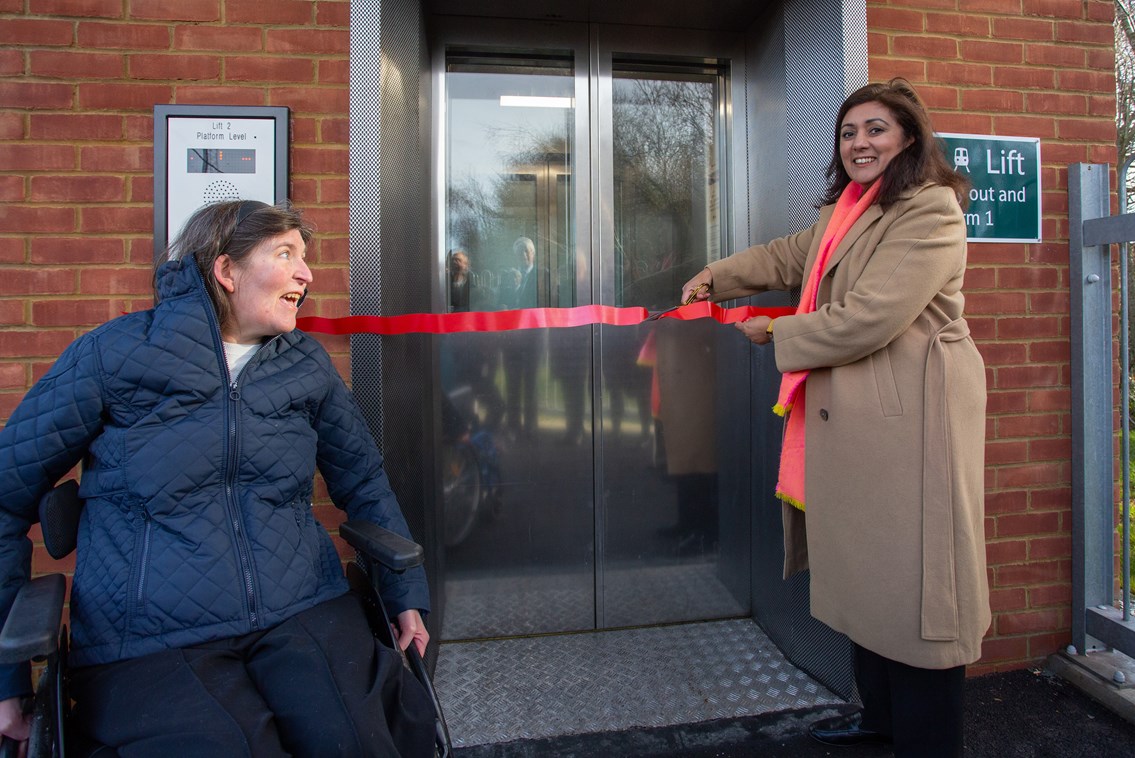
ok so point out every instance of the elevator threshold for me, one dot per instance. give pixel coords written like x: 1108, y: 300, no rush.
x: 532, y: 687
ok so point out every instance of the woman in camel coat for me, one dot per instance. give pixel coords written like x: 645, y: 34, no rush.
x: 893, y: 408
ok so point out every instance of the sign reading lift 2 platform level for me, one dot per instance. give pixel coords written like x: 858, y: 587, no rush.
x: 1004, y: 203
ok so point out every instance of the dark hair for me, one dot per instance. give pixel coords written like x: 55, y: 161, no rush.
x: 923, y: 161
x: 233, y: 228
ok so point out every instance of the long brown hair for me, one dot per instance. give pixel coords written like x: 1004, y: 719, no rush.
x: 233, y: 228
x: 922, y: 162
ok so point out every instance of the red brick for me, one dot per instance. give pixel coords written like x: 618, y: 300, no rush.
x: 265, y: 69
x: 312, y: 99
x: 33, y: 95
x: 1004, y: 552
x: 1083, y: 129
x: 1029, y: 574
x: 971, y: 6
x: 925, y: 46
x: 1092, y: 34
x: 1031, y: 277
x: 77, y: 189
x: 1050, y: 352
x: 1023, y: 328
x: 996, y: 302
x: 35, y: 32
x: 322, y: 160
x: 1056, y: 55
x: 74, y: 65
x: 992, y: 100
x: 1050, y: 399
x: 280, y: 12
x: 310, y: 41
x: 1059, y: 499
x: 1043, y: 645
x: 1011, y: 77
x: 30, y: 218
x: 174, y: 67
x: 1035, y: 425
x: 1049, y: 302
x: 334, y: 131
x: 247, y: 39
x: 1011, y: 599
x: 76, y: 250
x: 1004, y: 353
x: 24, y: 157
x: 1010, y: 501
x: 886, y: 68
x: 72, y: 126
x: 1033, y: 475
x: 1050, y: 547
x: 1087, y: 81
x: 1004, y: 648
x: 334, y: 71
x: 38, y: 343
x: 74, y: 312
x: 11, y: 126
x: 994, y: 52
x: 123, y: 36
x: 125, y: 158
x: 333, y: 14
x: 13, y: 376
x: 118, y: 281
x: 128, y: 97
x: 192, y: 94
x: 116, y: 220
x: 1034, y: 621
x: 1031, y: 29
x: 895, y: 18
x: 11, y: 63
x: 12, y: 189
x: 1053, y: 8
x: 1050, y: 594
x: 183, y: 10
x: 962, y: 24
x: 78, y: 8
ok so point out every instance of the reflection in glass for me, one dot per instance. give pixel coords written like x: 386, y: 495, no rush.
x: 661, y: 468
x: 517, y: 410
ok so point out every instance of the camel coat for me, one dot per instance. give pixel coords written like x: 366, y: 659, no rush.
x: 894, y: 489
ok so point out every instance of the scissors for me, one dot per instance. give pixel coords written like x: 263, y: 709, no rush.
x: 692, y: 297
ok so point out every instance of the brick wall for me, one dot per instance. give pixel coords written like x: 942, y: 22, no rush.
x: 1029, y: 68
x: 79, y: 78
x: 78, y: 82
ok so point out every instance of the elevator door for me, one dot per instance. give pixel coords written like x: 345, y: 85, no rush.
x: 586, y: 482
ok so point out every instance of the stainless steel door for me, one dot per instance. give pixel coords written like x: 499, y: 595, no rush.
x: 584, y: 469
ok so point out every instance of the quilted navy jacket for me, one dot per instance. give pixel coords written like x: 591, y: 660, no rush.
x: 198, y: 522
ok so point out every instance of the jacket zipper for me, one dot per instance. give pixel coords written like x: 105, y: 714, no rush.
x: 243, y: 550
x: 146, y: 524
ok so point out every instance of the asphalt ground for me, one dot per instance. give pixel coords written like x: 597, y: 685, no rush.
x: 1017, y: 714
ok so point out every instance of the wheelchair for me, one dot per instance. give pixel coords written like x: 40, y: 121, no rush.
x: 33, y: 631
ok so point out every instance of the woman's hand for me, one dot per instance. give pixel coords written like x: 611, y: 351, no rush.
x: 756, y: 329
x: 704, y: 280
x: 14, y: 723
x: 410, y: 628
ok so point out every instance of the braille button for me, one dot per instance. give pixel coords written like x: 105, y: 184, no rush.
x: 824, y: 414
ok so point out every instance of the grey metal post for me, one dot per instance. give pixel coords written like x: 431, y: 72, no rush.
x: 1093, y: 474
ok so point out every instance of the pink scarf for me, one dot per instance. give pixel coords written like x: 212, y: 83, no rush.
x: 790, y: 403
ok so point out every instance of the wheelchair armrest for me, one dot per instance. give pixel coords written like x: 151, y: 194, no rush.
x: 391, y: 550
x: 32, y: 628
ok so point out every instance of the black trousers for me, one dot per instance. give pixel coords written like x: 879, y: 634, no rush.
x: 921, y: 709
x: 318, y: 684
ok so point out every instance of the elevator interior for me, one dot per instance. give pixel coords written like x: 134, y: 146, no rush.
x: 591, y: 478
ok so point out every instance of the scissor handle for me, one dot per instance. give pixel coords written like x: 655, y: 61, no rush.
x: 695, y: 292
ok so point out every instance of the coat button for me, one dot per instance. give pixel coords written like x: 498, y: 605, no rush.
x: 824, y: 414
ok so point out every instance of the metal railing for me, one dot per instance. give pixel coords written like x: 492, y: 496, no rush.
x: 1092, y: 232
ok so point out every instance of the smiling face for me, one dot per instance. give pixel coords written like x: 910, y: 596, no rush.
x: 264, y: 290
x: 869, y: 139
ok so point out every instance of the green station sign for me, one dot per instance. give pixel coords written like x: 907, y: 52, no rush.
x: 1004, y: 202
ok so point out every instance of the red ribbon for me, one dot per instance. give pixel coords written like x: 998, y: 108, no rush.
x: 527, y: 318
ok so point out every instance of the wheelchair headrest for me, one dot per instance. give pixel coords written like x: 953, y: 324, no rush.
x: 59, y: 518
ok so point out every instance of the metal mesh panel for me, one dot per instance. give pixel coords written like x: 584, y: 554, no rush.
x: 806, y: 58
x: 390, y: 268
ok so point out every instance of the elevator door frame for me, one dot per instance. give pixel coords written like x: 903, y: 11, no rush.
x: 594, y: 48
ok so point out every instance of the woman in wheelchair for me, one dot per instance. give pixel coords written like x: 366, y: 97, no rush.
x: 210, y: 615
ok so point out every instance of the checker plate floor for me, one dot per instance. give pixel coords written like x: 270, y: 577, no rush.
x: 523, y: 688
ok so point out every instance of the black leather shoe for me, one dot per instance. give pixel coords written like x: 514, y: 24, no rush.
x: 846, y: 730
